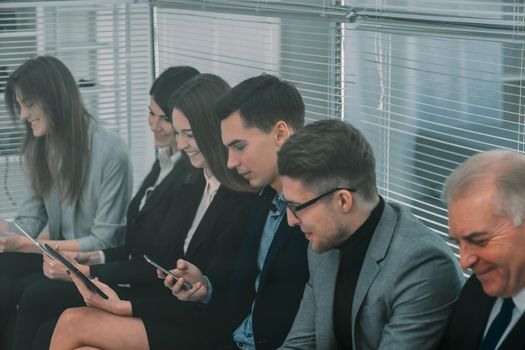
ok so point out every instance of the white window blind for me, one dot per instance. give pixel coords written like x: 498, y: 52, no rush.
x: 429, y: 82
x: 107, y: 46
x: 240, y: 39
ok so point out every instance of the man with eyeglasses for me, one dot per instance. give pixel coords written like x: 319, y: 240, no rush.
x: 379, y: 278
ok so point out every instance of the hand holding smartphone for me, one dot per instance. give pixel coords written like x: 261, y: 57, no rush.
x: 76, y: 271
x: 186, y: 285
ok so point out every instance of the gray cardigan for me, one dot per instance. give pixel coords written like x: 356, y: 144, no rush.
x: 100, y: 211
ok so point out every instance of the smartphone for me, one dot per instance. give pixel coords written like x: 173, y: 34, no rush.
x: 76, y: 271
x: 186, y: 285
x: 32, y: 239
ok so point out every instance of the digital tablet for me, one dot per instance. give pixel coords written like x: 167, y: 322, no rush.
x: 32, y: 239
x: 187, y: 285
x: 76, y: 271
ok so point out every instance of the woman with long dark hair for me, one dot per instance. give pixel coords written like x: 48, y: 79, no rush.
x: 79, y: 176
x: 76, y: 189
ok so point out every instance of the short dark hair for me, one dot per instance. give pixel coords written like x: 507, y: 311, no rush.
x: 330, y: 153
x: 263, y: 101
x: 167, y: 83
x: 196, y: 100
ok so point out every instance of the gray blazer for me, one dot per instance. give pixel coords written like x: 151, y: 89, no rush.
x: 100, y: 210
x: 407, y: 285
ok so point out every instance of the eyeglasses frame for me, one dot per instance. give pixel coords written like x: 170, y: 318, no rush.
x: 314, y: 200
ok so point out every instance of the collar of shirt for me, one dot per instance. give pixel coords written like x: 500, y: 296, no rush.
x: 166, y: 159
x: 268, y: 195
x: 212, y: 185
x: 175, y: 157
x: 519, y: 300
x: 519, y: 304
x: 279, y: 203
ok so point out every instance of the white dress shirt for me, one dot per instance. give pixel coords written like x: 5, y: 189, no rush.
x: 166, y: 162
x: 212, y: 186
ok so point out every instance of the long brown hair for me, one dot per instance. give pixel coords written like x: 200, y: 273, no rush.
x: 196, y: 100
x: 63, y: 153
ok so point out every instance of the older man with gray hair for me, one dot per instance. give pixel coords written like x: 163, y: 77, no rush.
x: 486, y: 208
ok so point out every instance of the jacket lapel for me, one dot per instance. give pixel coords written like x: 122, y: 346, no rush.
x: 376, y: 252
x: 182, y: 210
x: 469, y: 317
x: 281, y: 237
x: 175, y: 176
x: 474, y: 309
x: 245, y: 268
x: 253, y: 240
x: 209, y: 219
x: 158, y: 193
x: 149, y: 181
x: 516, y: 338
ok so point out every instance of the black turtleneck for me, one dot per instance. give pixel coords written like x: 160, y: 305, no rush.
x: 353, y: 252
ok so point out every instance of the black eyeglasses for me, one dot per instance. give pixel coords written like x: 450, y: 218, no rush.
x: 295, y: 208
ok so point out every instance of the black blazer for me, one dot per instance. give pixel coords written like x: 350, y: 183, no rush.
x: 281, y: 287
x: 143, y: 229
x: 213, y: 249
x: 469, y: 320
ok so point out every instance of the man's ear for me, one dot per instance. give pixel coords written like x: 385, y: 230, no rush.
x: 282, y: 132
x: 345, y: 201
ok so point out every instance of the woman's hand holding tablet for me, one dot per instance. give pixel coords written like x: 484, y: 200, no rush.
x: 86, y: 280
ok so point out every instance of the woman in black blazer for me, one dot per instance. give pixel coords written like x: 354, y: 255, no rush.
x: 210, y: 239
x: 47, y: 298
